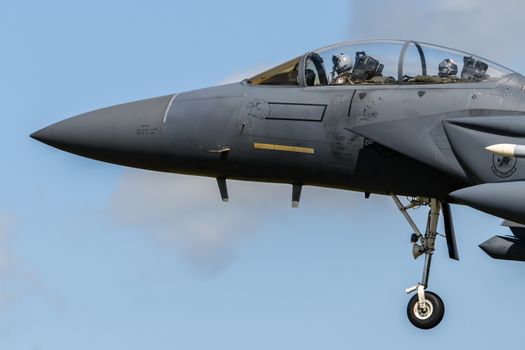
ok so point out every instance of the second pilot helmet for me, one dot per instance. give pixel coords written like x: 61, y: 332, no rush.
x: 342, y: 63
x: 447, y: 67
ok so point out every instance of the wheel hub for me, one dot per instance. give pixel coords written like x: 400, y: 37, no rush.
x: 423, y: 310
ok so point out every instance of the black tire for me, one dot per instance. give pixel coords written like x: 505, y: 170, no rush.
x: 429, y: 318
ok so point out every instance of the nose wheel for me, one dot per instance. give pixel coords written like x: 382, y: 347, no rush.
x: 428, y: 313
x: 425, y: 309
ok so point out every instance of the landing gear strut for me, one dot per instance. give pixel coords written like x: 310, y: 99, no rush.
x: 425, y: 310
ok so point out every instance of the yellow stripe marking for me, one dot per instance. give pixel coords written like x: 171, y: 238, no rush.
x: 283, y: 148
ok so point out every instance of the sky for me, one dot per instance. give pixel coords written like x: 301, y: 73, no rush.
x: 94, y: 255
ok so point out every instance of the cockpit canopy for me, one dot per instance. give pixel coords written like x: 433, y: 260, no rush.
x: 381, y: 62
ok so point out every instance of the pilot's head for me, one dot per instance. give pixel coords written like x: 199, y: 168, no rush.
x: 447, y: 68
x: 342, y: 63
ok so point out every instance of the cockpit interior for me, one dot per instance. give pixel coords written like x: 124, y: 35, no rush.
x: 380, y: 62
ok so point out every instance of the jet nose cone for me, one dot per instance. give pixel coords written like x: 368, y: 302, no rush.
x: 128, y: 134
x: 40, y: 135
x: 54, y: 135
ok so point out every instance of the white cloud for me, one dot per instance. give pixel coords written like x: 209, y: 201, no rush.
x: 456, y: 5
x: 186, y: 213
x: 14, y: 278
x: 17, y: 279
x: 491, y: 30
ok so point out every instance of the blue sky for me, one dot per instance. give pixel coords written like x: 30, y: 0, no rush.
x: 98, y: 256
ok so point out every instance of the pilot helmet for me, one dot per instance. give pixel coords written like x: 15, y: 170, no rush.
x: 447, y: 67
x: 342, y: 63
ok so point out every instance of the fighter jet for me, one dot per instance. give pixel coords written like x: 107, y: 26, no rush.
x: 389, y: 117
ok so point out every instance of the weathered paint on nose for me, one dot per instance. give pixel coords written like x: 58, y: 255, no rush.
x: 128, y: 134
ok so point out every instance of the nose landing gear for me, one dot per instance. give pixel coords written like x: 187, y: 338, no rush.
x: 425, y: 313
x: 425, y: 310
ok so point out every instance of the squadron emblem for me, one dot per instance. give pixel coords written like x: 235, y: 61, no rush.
x: 503, y: 166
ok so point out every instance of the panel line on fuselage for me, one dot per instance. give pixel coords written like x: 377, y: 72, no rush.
x: 168, y: 109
